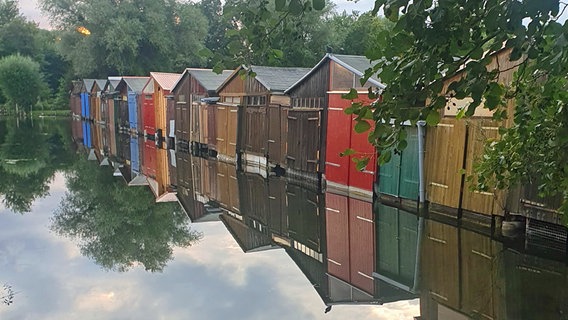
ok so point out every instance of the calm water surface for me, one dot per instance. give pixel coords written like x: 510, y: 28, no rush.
x: 77, y: 243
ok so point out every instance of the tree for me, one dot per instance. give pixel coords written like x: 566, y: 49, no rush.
x: 119, y: 226
x: 20, y: 80
x: 261, y: 33
x: 8, y: 11
x: 128, y: 37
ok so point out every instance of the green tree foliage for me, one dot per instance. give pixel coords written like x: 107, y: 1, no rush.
x: 434, y: 40
x: 8, y: 11
x: 119, y: 226
x: 21, y: 80
x: 30, y: 154
x: 128, y: 37
x: 23, y: 37
x: 263, y: 33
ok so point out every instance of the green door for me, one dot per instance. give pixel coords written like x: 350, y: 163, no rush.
x: 389, y: 176
x: 399, y: 177
x: 409, y: 166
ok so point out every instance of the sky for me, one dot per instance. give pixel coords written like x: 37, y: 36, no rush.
x: 29, y: 8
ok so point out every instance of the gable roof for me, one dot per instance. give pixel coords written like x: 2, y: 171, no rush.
x: 114, y: 81
x: 206, y: 77
x: 275, y: 79
x: 278, y: 78
x: 166, y: 81
x: 135, y: 84
x: 101, y: 83
x: 355, y: 64
x: 88, y: 84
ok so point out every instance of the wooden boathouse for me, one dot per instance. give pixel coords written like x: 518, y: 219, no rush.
x: 129, y: 89
x: 75, y: 98
x: 96, y: 100
x: 319, y: 130
x: 85, y: 98
x: 260, y: 100
x: 194, y: 85
x: 162, y: 85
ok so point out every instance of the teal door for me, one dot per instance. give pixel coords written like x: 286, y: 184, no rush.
x: 399, y: 177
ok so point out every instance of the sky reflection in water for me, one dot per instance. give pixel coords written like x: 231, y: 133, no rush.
x: 213, y: 279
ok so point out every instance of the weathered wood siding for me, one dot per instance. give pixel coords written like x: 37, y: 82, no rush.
x: 493, y: 203
x: 276, y: 143
x: 203, y: 124
x: 312, y: 92
x: 211, y: 127
x: 194, y: 122
x: 221, y: 125
x: 444, y: 159
x: 303, y: 139
x: 253, y: 130
x: 160, y: 108
x: 232, y: 130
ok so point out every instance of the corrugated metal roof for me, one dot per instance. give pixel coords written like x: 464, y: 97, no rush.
x: 88, y: 84
x: 355, y: 64
x: 136, y: 84
x: 101, y: 83
x: 209, y: 79
x: 166, y: 81
x: 278, y: 78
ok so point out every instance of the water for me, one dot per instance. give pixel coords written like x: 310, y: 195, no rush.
x: 76, y: 242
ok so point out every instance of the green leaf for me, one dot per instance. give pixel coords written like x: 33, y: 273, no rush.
x: 433, y: 118
x: 318, y: 4
x: 218, y: 68
x: 351, y: 95
x: 280, y: 5
x: 362, y: 126
x: 347, y: 152
x: 385, y: 157
x: 362, y: 164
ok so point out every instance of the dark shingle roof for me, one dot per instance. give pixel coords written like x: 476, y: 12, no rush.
x: 355, y: 64
x: 209, y: 79
x: 136, y: 84
x: 278, y: 79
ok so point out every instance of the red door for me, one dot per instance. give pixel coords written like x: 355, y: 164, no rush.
x: 149, y: 114
x: 337, y: 140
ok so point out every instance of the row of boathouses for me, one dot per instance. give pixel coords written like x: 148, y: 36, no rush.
x: 291, y: 121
